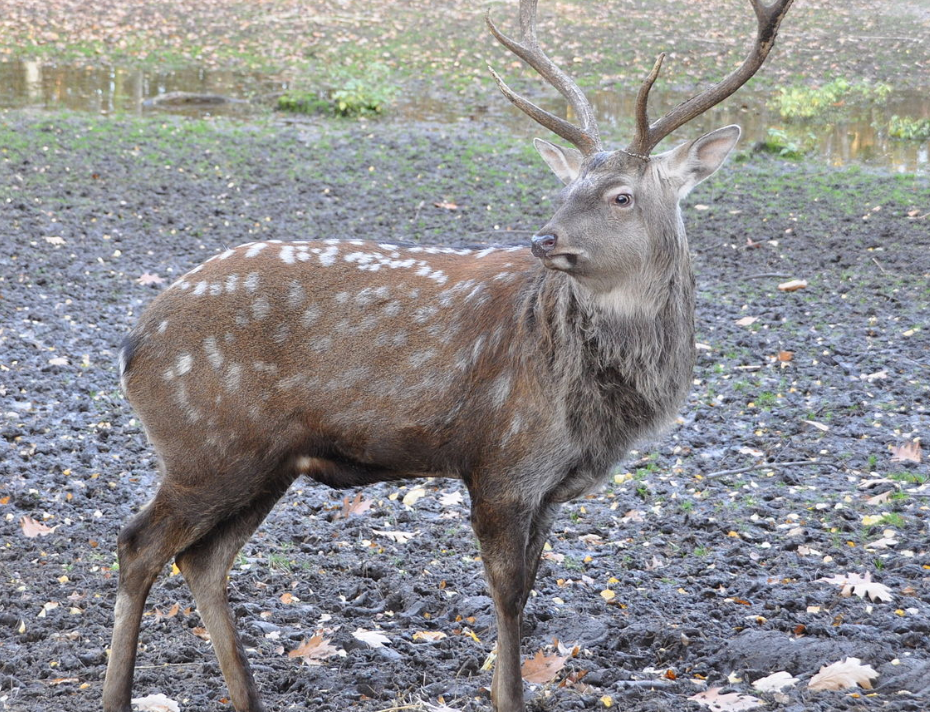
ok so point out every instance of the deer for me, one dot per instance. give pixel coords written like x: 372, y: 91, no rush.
x: 527, y: 372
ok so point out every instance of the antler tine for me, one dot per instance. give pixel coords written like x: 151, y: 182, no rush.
x: 584, y: 137
x: 768, y: 18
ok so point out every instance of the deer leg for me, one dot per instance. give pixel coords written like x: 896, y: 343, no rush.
x: 144, y: 546
x: 205, y: 565
x: 503, y: 534
x: 539, y: 532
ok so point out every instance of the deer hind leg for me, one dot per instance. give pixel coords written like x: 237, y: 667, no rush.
x: 205, y: 565
x: 539, y: 532
x: 144, y: 546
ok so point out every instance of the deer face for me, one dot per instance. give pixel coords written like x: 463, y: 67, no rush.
x: 618, y: 222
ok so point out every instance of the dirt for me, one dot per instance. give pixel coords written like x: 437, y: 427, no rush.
x: 699, y: 565
x: 715, y: 578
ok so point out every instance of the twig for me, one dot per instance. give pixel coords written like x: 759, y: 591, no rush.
x: 657, y: 684
x: 879, y: 265
x: 768, y: 275
x: 766, y: 466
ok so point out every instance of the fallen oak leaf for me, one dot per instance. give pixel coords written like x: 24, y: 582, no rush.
x: 542, y: 668
x: 861, y: 586
x: 371, y: 638
x: 399, y: 537
x: 313, y: 650
x: 155, y: 703
x: 32, y: 528
x: 775, y: 682
x: 149, y: 278
x: 907, y: 452
x: 728, y: 702
x: 358, y: 505
x: 843, y: 674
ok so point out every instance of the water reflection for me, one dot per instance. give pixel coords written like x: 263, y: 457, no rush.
x: 856, y: 138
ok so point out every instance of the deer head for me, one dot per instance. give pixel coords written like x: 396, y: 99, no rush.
x: 618, y: 220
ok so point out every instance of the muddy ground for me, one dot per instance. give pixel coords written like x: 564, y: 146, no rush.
x: 713, y: 575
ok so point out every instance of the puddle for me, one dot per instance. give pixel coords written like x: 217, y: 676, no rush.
x: 857, y: 138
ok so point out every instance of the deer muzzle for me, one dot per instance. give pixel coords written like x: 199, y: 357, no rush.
x: 542, y: 245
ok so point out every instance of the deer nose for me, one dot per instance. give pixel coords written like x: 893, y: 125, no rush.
x: 543, y: 244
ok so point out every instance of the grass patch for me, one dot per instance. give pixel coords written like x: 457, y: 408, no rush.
x: 353, y: 91
x: 802, y: 102
x: 908, y: 128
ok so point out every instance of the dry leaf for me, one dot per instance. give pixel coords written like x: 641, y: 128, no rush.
x: 842, y: 675
x: 730, y: 702
x: 445, y: 205
x: 451, y: 499
x: 774, y: 682
x: 288, y: 598
x: 793, y: 285
x: 314, y: 650
x: 819, y: 426
x: 747, y: 320
x: 907, y: 452
x: 149, y: 278
x: 880, y: 498
x: 430, y: 636
x: 608, y: 595
x: 32, y: 528
x: 155, y: 703
x: 201, y: 633
x: 861, y: 586
x: 785, y: 356
x: 542, y: 668
x: 413, y: 495
x: 399, y: 537
x: 372, y: 638
x: 358, y: 505
x: 172, y: 612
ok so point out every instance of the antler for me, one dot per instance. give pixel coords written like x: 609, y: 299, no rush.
x: 648, y: 135
x: 584, y: 137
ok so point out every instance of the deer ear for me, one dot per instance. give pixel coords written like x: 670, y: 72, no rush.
x: 564, y: 162
x: 691, y: 163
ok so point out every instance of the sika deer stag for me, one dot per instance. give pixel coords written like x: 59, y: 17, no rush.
x: 526, y: 373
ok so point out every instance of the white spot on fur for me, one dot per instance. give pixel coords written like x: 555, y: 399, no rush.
x: 233, y: 377
x: 310, y: 316
x: 161, y: 330
x: 328, y: 256
x: 200, y: 289
x: 214, y: 355
x: 226, y: 255
x: 216, y: 289
x: 295, y: 294
x: 499, y: 390
x: 264, y: 367
x: 185, y: 363
x: 251, y: 282
x: 418, y: 358
x: 255, y: 249
x: 484, y: 253
x: 392, y: 309
x: 287, y: 254
x: 342, y: 297
x: 261, y: 308
x: 424, y: 314
x: 231, y: 282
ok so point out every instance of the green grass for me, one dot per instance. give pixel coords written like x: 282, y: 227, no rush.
x: 804, y: 102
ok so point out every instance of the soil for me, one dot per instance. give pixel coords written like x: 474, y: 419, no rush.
x: 699, y: 565
x: 714, y: 576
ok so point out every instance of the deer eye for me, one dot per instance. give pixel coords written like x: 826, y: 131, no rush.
x: 624, y: 200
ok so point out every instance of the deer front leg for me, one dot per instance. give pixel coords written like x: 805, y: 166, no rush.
x: 503, y: 532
